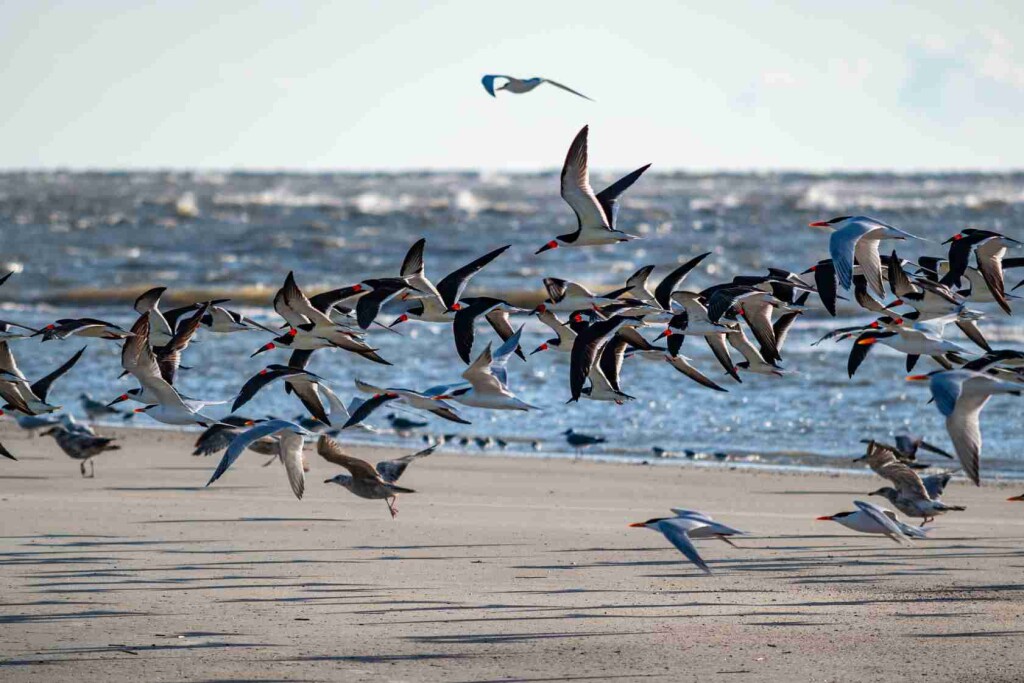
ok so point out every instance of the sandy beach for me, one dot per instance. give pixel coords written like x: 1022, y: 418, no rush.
x: 497, y: 569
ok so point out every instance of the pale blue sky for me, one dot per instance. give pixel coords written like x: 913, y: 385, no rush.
x: 395, y: 84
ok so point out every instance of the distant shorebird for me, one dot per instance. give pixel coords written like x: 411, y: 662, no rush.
x: 580, y: 441
x: 365, y: 480
x: 81, y: 446
x: 518, y: 86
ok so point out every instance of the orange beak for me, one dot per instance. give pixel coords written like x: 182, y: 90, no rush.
x: 637, y: 525
x: 139, y: 410
x: 918, y: 378
x: 1017, y: 498
x: 818, y: 224
x: 867, y: 342
x: 824, y: 519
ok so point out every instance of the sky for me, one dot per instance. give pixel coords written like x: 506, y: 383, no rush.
x: 354, y: 85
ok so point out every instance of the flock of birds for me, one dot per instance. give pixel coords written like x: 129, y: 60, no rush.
x: 598, y: 331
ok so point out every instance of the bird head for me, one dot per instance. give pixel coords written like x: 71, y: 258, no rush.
x: 648, y: 524
x: 886, y: 492
x: 830, y: 224
x: 553, y: 244
x: 542, y: 347
x: 340, y: 479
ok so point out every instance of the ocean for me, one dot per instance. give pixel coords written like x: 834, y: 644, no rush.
x: 89, y: 243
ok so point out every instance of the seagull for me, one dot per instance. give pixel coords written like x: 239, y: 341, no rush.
x: 911, y: 495
x: 872, y: 519
x: 677, y: 530
x: 595, y: 214
x: 960, y: 395
x: 519, y: 86
x: 289, y: 443
x: 81, y: 446
x: 579, y: 441
x: 857, y: 238
x: 363, y: 479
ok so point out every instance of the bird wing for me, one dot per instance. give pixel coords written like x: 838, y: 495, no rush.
x: 989, y: 256
x: 367, y: 407
x: 576, y: 189
x: 290, y: 448
x: 842, y: 245
x: 499, y: 362
x: 785, y: 322
x: 42, y: 386
x: 391, y: 470
x: 680, y: 363
x: 307, y: 392
x: 479, y: 374
x: 716, y: 342
x: 934, y: 484
x: 330, y: 450
x: 564, y: 332
x: 488, y: 82
x: 168, y: 357
x: 284, y: 309
x: 138, y: 359
x: 964, y: 427
x: 899, y: 281
x: 368, y: 305
x: 149, y: 300
x: 610, y: 362
x: 866, y: 254
x: 678, y: 537
x: 296, y: 301
x: 947, y: 388
x: 668, y: 284
x: 242, y: 441
x: 825, y: 283
x: 565, y: 88
x: 261, y: 379
x: 758, y: 315
x: 500, y: 324
x: 325, y: 301
x: 414, y: 272
x: 881, y: 517
x: 454, y: 283
x: 584, y: 352
x: 608, y: 198
x: 884, y: 462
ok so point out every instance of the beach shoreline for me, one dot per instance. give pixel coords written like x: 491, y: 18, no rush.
x: 497, y: 568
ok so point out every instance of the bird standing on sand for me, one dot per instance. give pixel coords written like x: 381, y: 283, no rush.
x: 518, y: 86
x: 366, y: 481
x: 580, y: 441
x: 81, y: 446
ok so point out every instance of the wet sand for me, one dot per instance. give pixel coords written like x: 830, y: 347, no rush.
x: 497, y: 569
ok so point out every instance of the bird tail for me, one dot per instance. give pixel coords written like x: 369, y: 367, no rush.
x: 400, y: 489
x: 954, y: 508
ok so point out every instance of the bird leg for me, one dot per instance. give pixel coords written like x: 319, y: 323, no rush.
x: 391, y: 506
x: 81, y: 466
x: 268, y: 463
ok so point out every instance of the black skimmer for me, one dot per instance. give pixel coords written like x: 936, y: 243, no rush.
x: 427, y: 401
x: 988, y: 248
x: 960, y: 396
x: 438, y: 304
x: 565, y: 334
x: 872, y: 519
x: 32, y: 396
x: 595, y: 214
x: 911, y: 495
x: 565, y: 296
x: 289, y: 443
x: 82, y: 327
x: 587, y: 348
x: 363, y: 479
x: 216, y: 438
x: 518, y: 86
x: 81, y: 446
x: 297, y: 380
x: 495, y: 311
x: 855, y: 239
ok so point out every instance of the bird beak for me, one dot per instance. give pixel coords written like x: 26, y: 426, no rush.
x: 541, y: 308
x: 637, y: 525
x: 918, y: 378
x: 250, y: 423
x: 542, y: 347
x: 1017, y: 498
x: 550, y: 245
x: 122, y: 397
x: 442, y: 397
x: 328, y: 481
x: 401, y: 319
x: 868, y: 342
x: 824, y: 519
x: 139, y: 410
x: 666, y: 333
x: 818, y: 224
x: 269, y: 346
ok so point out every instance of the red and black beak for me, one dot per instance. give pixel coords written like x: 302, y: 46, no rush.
x: 819, y: 224
x: 666, y: 333
x: 399, y: 320
x: 542, y: 347
x: 269, y: 346
x: 553, y: 244
x: 122, y: 397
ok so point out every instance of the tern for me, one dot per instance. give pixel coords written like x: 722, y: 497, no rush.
x: 486, y: 381
x: 960, y: 396
x: 363, y: 479
x: 856, y: 238
x: 872, y: 519
x: 289, y: 443
x: 678, y: 531
x: 518, y: 86
x: 595, y: 213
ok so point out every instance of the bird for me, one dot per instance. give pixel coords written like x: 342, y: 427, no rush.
x: 438, y: 304
x: 297, y: 380
x: 216, y: 438
x: 427, y: 401
x: 580, y: 441
x: 363, y: 479
x: 81, y: 446
x: 82, y: 327
x: 404, y: 424
x: 138, y: 359
x: 96, y: 409
x: 911, y: 495
x: 869, y: 518
x: 595, y: 213
x: 486, y: 381
x: 677, y: 530
x: 495, y: 311
x: 960, y: 396
x: 30, y: 399
x: 586, y: 349
x: 856, y: 238
x: 518, y: 86
x: 988, y: 248
x: 289, y: 443
x: 711, y: 528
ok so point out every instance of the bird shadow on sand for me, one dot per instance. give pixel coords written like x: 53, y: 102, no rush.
x: 507, y: 638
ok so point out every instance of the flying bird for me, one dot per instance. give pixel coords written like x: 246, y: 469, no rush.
x: 518, y: 86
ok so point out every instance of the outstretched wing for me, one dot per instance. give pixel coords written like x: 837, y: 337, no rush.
x: 677, y: 536
x: 391, y: 470
x: 330, y: 450
x: 242, y: 441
